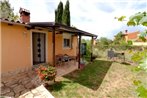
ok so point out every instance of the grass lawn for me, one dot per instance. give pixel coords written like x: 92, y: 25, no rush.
x: 100, y: 79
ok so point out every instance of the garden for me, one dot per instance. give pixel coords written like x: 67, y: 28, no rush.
x: 109, y: 78
x: 100, y: 79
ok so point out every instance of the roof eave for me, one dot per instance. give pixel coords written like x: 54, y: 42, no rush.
x: 62, y: 27
x: 15, y: 23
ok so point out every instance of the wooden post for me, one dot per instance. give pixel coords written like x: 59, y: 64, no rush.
x: 53, y: 42
x: 92, y: 49
x: 79, y: 51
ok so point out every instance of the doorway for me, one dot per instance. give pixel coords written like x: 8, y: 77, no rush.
x: 39, y: 48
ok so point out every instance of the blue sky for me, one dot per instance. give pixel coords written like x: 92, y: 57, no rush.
x: 94, y: 16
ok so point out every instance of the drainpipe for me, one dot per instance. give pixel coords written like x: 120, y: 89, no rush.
x: 79, y: 51
x: 92, y: 48
x: 53, y: 42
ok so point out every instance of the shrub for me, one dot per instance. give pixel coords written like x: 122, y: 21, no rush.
x: 46, y: 73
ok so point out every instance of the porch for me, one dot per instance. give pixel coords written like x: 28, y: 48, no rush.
x: 65, y: 69
x: 57, y: 29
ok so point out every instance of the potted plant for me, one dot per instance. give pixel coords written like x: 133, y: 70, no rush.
x: 46, y: 73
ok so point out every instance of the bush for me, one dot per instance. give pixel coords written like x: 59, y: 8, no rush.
x: 46, y: 72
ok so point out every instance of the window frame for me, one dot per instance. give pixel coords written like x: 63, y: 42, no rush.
x: 66, y: 43
x: 68, y: 37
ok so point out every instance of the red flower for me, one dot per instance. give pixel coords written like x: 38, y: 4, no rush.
x: 44, y: 72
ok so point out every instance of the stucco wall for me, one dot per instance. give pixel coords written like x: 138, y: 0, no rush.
x: 0, y: 48
x: 15, y: 47
x: 59, y: 46
x: 50, y: 44
x: 61, y: 50
x: 140, y: 43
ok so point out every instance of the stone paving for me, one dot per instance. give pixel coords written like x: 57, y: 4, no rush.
x: 28, y: 85
x: 38, y: 92
x: 24, y: 85
x: 65, y: 69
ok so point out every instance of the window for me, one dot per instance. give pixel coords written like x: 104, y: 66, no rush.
x: 66, y: 42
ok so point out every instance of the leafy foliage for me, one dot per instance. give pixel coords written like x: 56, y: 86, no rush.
x: 143, y: 35
x: 137, y: 82
x: 66, y: 14
x: 62, y: 16
x: 130, y: 42
x: 140, y: 57
x: 56, y: 20
x: 121, y: 18
x: 120, y: 41
x: 118, y: 38
x: 88, y: 47
x: 103, y: 43
x: 59, y: 13
x: 142, y: 91
x: 7, y: 11
x: 46, y: 73
x: 139, y: 18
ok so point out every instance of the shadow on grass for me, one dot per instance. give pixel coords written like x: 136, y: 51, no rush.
x: 126, y: 63
x: 91, y: 75
x: 58, y: 85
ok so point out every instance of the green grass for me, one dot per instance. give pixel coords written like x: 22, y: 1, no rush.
x: 92, y: 75
x: 100, y: 79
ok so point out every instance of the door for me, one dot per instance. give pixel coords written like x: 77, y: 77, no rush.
x: 38, y: 45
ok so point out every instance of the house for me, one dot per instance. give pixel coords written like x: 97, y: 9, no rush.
x: 24, y: 44
x: 134, y: 37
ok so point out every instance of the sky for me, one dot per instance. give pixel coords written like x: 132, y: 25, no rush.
x: 94, y: 16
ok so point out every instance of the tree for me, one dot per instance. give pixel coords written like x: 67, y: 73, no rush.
x: 140, y: 18
x: 103, y: 43
x: 56, y: 20
x: 59, y: 13
x: 88, y: 47
x: 118, y: 38
x: 66, y: 14
x: 7, y: 11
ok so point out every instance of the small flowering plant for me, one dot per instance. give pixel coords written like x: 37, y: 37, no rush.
x: 46, y: 73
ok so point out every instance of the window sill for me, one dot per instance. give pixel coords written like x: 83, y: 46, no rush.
x: 67, y: 48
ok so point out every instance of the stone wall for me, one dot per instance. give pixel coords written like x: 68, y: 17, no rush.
x: 14, y: 84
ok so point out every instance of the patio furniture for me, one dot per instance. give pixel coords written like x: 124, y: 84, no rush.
x: 110, y: 54
x: 73, y: 58
x: 120, y: 56
x: 64, y: 59
x: 59, y: 59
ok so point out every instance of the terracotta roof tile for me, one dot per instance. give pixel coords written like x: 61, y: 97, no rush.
x: 25, y: 10
x: 133, y: 35
x: 9, y: 20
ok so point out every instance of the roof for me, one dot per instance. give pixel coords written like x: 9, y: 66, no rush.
x: 133, y: 35
x: 50, y: 25
x: 24, y: 10
x: 61, y: 27
x: 4, y: 20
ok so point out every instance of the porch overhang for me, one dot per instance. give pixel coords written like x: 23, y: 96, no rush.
x: 52, y: 26
x: 61, y: 27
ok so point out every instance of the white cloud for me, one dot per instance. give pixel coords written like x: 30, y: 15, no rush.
x: 95, y: 16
